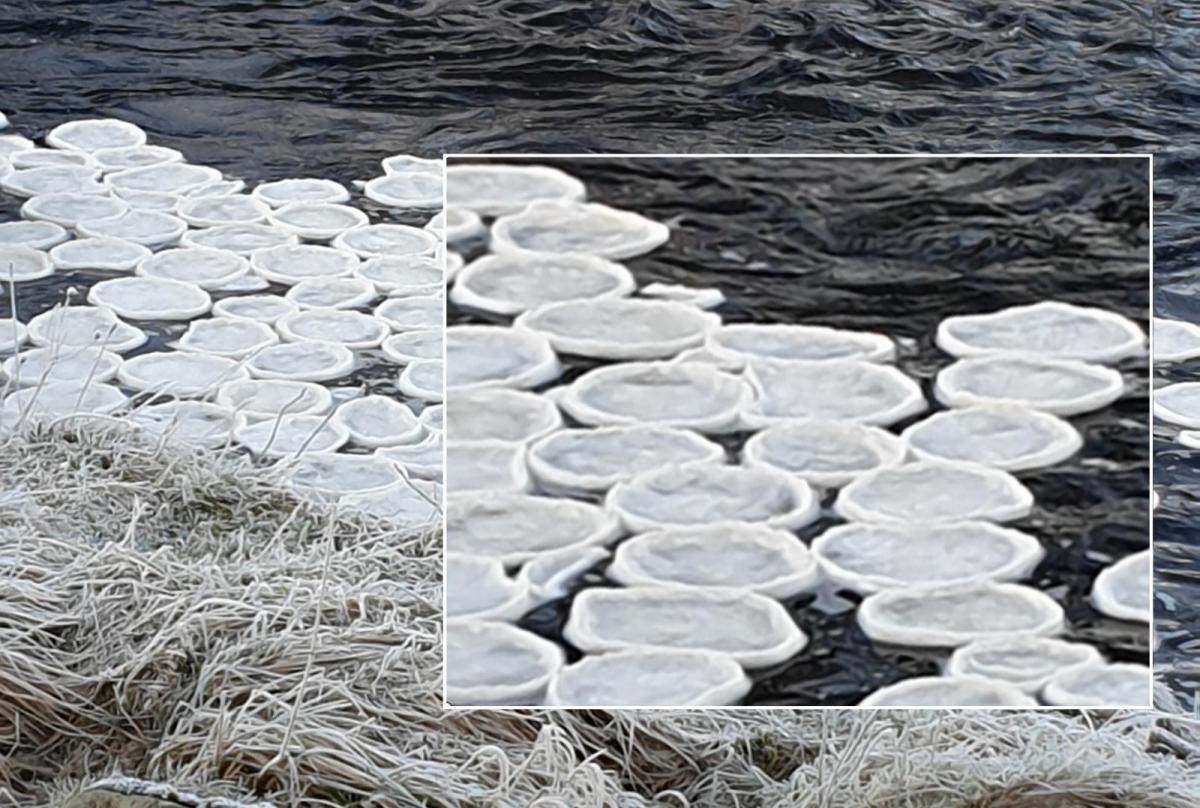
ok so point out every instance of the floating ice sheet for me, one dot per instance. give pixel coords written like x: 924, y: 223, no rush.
x: 350, y: 328
x: 421, y: 190
x: 805, y: 342
x: 1027, y: 663
x: 409, y: 346
x: 34, y: 235
x: 650, y: 677
x: 149, y: 228
x: 270, y: 397
x: 306, y: 361
x: 423, y: 379
x: 486, y: 466
x: 826, y: 453
x: 195, y: 423
x: 291, y: 263
x: 735, y: 555
x: 421, y: 459
x: 93, y: 134
x: 285, y: 435
x: 707, y: 493
x: 243, y: 239
x: 700, y: 298
x: 517, y: 527
x: 151, y: 298
x: 339, y: 474
x: 37, y: 158
x: 1003, y: 435
x: 460, y: 224
x: 509, y: 285
x: 948, y: 691
x: 594, y: 460
x: 121, y: 158
x: 412, y: 164
x: 20, y: 263
x: 841, y: 389
x: 1178, y: 403
x: 230, y: 337
x: 868, y: 558
x: 454, y: 264
x: 216, y: 211
x: 69, y: 209
x: 477, y: 586
x: 77, y: 365
x: 305, y: 189
x: 497, y: 414
x: 377, y: 240
x: 317, y: 221
x: 200, y: 266
x: 179, y: 373
x: 1049, y: 329
x: 53, y: 180
x: 1175, y: 340
x: 433, y: 417
x: 1123, y: 590
x: 496, y: 190
x: 331, y: 293
x: 493, y: 663
x: 408, y: 313
x: 620, y: 328
x: 934, y: 491
x: 164, y: 178
x: 1116, y: 685
x: 57, y: 399
x: 99, y: 253
x: 689, y: 396
x: 490, y: 356
x: 75, y: 326
x: 947, y: 617
x: 555, y: 227
x: 1058, y: 386
x: 374, y: 421
x: 403, y: 277
x: 267, y: 309
x: 407, y: 503
x: 150, y: 201
x: 754, y: 629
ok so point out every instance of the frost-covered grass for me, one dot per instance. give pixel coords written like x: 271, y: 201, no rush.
x: 177, y: 617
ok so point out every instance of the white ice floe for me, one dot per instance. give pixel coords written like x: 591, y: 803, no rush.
x: 409, y: 313
x: 1048, y: 329
x: 20, y: 263
x: 243, y: 239
x: 350, y: 328
x: 13, y: 333
x: 331, y: 293
x: 422, y: 459
x: 552, y: 575
x: 490, y: 663
x: 486, y: 466
x: 433, y: 417
x: 1058, y: 386
x: 1175, y: 340
x: 196, y: 423
x: 164, y: 178
x: 620, y: 328
x: 1026, y: 663
x: 870, y: 557
x: 227, y: 336
x: 689, y: 396
x: 378, y: 240
x: 34, y: 235
x: 31, y: 182
x: 78, y: 326
x: 179, y: 373
x: 706, y: 493
x: 1123, y: 590
x: 409, y: 346
x: 934, y: 491
x: 150, y: 228
x: 491, y: 356
x: 285, y: 435
x: 948, y: 691
x: 650, y: 677
x: 517, y: 527
x: 754, y: 629
x: 423, y: 379
x: 93, y: 134
x: 826, y: 453
x: 840, y: 389
x: 509, y: 285
x: 285, y: 192
x: 267, y: 309
x: 270, y: 397
x: 54, y: 364
x: 336, y: 475
x: 201, y: 266
x: 745, y: 341
x: 38, y: 158
x: 291, y: 263
x: 760, y: 559
x: 410, y: 190
x: 69, y: 209
x: 150, y: 201
x: 574, y: 461
x: 216, y: 211
x: 219, y: 188
x: 409, y: 503
x: 499, y: 414
x: 1117, y: 685
x: 305, y: 361
x: 494, y: 189
x: 415, y: 276
x: 563, y: 226
x: 947, y: 617
x: 375, y: 421
x: 412, y: 164
x: 14, y: 143
x: 459, y: 224
x: 453, y: 265
x: 151, y: 298
x: 700, y: 298
x: 317, y: 221
x: 477, y: 586
x: 1178, y: 403
x: 1004, y: 435
x: 57, y: 399
x: 121, y: 158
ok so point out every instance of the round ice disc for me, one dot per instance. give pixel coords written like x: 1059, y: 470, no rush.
x: 806, y: 342
x: 216, y: 211
x: 20, y: 263
x: 12, y: 333
x: 826, y: 453
x: 1048, y: 329
x: 553, y: 226
x: 1178, y: 403
x: 422, y: 459
x: 1027, y: 663
x: 291, y: 263
x: 38, y: 158
x: 350, y: 328
x: 339, y: 474
x: 1003, y: 435
x: 517, y: 527
x: 487, y: 466
x: 52, y: 400
x: 1116, y: 685
x: 262, y: 308
x: 332, y: 293
x: 164, y: 178
x: 204, y: 267
x: 409, y: 346
x: 1123, y: 590
x: 490, y: 356
x: 460, y: 224
x: 181, y: 374
x: 408, y: 504
x: 479, y: 587
x: 151, y: 298
x: 934, y: 491
x: 948, y: 691
x: 307, y: 360
x: 53, y: 364
x: 510, y: 285
x: 227, y: 336
x: 377, y: 240
x: 78, y: 326
x: 284, y: 192
x: 497, y: 414
x: 374, y: 421
x: 650, y: 677
x: 423, y: 379
x: 34, y: 235
x: 30, y: 182
x: 495, y: 189
x: 408, y: 313
x: 195, y: 423
x: 491, y: 663
x: 403, y: 277
x: 1175, y: 340
x: 93, y: 134
x: 618, y: 328
x: 286, y: 435
x: 1058, y: 386
x: 146, y: 227
x: 69, y: 209
x: 271, y: 397
x: 317, y: 221
x: 421, y: 190
x: 120, y: 158
x: 243, y: 239
x: 840, y: 389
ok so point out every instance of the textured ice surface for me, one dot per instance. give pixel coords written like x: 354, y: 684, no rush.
x: 650, y: 677
x: 1027, y: 663
x: 227, y: 336
x: 56, y: 399
x: 1123, y: 590
x: 620, y: 328
x: 843, y: 389
x: 477, y: 586
x: 93, y: 134
x: 461, y: 224
x: 806, y: 342
x: 1004, y: 435
x: 593, y: 460
x: 486, y: 466
x: 948, y: 691
x: 518, y: 527
x: 306, y: 361
x: 376, y: 240
x: 1049, y: 328
x: 493, y: 663
x: 35, y: 235
x: 214, y: 211
x: 195, y: 423
x: 411, y: 189
x: 700, y: 298
x: 165, y: 178
x: 951, y: 616
x: 85, y: 325
x: 30, y: 182
x: 317, y: 221
x: 497, y: 414
x: 1178, y: 403
x: 151, y: 298
x: 1059, y: 386
x: 563, y: 226
x: 291, y: 263
x: 409, y: 503
x: 421, y: 459
x: 262, y: 308
x: 826, y: 453
x: 1117, y: 685
x: 409, y: 346
x: 934, y: 491
x: 350, y: 328
x: 707, y: 493
x: 491, y: 356
x: 691, y: 396
x: 496, y: 189
x: 243, y: 239
x: 338, y: 474
x: 36, y: 158
x: 12, y: 333
x: 374, y: 421
x: 302, y: 189
x: 1175, y: 340
x: 761, y: 559
x: 410, y: 276
x: 120, y: 158
x: 203, y: 267
x: 20, y: 263
x: 423, y: 379
x: 284, y: 435
x: 57, y: 364
x: 150, y: 228
x: 409, y: 313
x: 179, y: 373
x: 506, y: 284
x: 550, y: 575
x: 433, y: 417
x: 754, y: 629
x: 69, y: 209
x: 869, y: 557
x: 271, y: 397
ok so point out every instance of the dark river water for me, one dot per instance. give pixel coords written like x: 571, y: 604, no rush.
x: 298, y: 87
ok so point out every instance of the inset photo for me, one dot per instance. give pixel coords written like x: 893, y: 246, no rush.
x: 798, y: 431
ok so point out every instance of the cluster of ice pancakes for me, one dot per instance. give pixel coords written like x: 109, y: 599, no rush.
x: 618, y: 470
x: 269, y: 298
